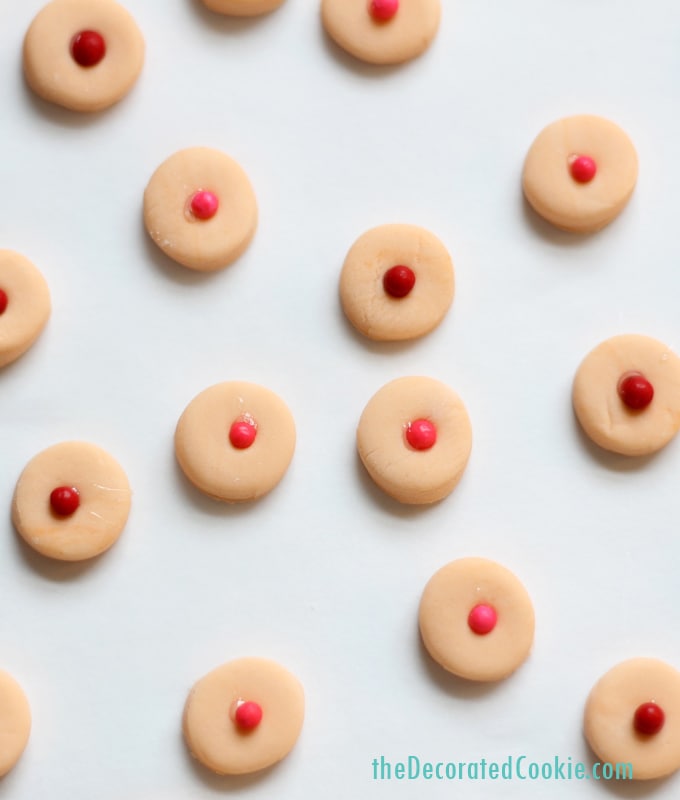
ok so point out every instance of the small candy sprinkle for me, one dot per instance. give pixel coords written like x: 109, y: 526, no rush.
x: 482, y: 619
x: 421, y: 434
x: 635, y: 390
x: 3, y: 301
x: 383, y: 10
x: 248, y: 715
x: 65, y: 500
x: 204, y: 204
x: 582, y: 168
x: 649, y: 719
x: 88, y: 48
x: 242, y: 433
x: 398, y: 281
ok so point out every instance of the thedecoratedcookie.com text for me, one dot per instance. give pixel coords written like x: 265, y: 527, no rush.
x: 513, y: 768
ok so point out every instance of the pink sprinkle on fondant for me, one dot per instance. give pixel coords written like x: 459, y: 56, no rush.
x: 383, y: 10
x: 582, y: 168
x: 482, y: 619
x: 242, y: 433
x: 421, y: 434
x: 248, y: 715
x: 204, y: 204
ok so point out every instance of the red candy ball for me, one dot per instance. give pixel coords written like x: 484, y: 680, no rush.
x: 383, y: 10
x: 3, y: 301
x: 583, y: 169
x: 398, y: 281
x: 88, y: 48
x: 65, y: 500
x: 649, y: 719
x: 242, y: 434
x: 635, y: 390
x: 482, y: 619
x: 248, y: 715
x: 421, y: 434
x: 204, y: 204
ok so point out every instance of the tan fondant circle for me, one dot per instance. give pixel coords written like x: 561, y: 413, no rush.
x: 104, y: 501
x: 447, y: 600
x: 209, y: 728
x: 556, y: 196
x: 15, y: 722
x: 242, y: 8
x: 53, y: 74
x: 28, y: 305
x: 212, y: 463
x: 203, y: 245
x: 368, y: 306
x: 604, y: 416
x: 408, y: 475
x: 407, y: 35
x: 610, y: 711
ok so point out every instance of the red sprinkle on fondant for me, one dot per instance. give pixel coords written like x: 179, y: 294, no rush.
x: 248, y: 715
x: 482, y: 619
x: 398, y: 281
x: 635, y: 390
x: 582, y: 168
x: 421, y: 434
x: 3, y: 301
x: 242, y: 433
x: 65, y: 500
x: 649, y: 719
x: 88, y: 48
x: 204, y: 204
x: 383, y: 10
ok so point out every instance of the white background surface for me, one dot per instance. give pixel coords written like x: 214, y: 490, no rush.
x: 325, y: 574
